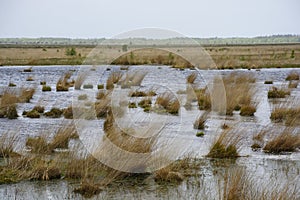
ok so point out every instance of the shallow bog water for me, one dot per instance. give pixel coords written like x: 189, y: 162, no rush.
x: 180, y: 128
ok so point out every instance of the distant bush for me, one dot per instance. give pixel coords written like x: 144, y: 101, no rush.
x: 88, y: 86
x: 100, y: 86
x: 46, y: 88
x: 268, y: 82
x: 200, y: 134
x: 11, y: 84
x: 71, y: 51
x: 43, y: 83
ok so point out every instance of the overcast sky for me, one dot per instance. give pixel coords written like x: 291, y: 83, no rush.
x: 106, y: 18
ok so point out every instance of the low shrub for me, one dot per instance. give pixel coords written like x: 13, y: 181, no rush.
x: 46, y: 88
x: 43, y: 83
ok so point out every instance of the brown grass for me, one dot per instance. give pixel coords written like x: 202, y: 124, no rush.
x: 292, y: 76
x: 286, y: 141
x: 289, y: 114
x: 200, y: 121
x: 132, y: 78
x: 239, y: 92
x: 278, y: 92
x: 63, y: 83
x: 203, y: 98
x: 62, y: 137
x: 8, y: 142
x: 191, y: 78
x: 225, y: 146
x: 168, y: 102
x: 79, y: 80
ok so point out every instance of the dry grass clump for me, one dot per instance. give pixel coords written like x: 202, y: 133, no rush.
x: 54, y: 113
x: 132, y: 105
x: 292, y: 76
x: 38, y: 144
x: 278, y: 93
x: 286, y: 141
x: 62, y: 137
x: 225, y: 146
x: 46, y: 88
x: 168, y: 102
x: 146, y: 102
x: 293, y: 84
x: 239, y: 91
x: 203, y: 98
x: 113, y: 78
x: 61, y: 140
x: 138, y: 94
x: 248, y: 110
x: 28, y: 69
x: 26, y: 94
x: 8, y: 105
x: 290, y: 115
x: 63, y: 83
x: 68, y: 113
x: 191, y: 78
x: 8, y: 142
x: 200, y: 121
x: 33, y: 114
x: 79, y: 80
x: 88, y: 189
x: 102, y: 106
x: 133, y: 78
x: 101, y: 95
